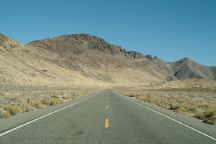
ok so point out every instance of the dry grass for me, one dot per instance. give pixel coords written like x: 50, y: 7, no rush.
x: 12, y: 109
x: 29, y: 105
x: 201, y: 105
x: 26, y: 107
x: 4, y: 114
x: 208, y: 115
x: 9, y: 110
x: 17, y: 103
x: 35, y: 102
x: 53, y: 100
x: 67, y: 97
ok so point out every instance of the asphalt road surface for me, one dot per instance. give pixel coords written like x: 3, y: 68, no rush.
x: 104, y: 119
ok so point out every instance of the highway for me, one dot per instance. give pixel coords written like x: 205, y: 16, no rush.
x: 106, y: 118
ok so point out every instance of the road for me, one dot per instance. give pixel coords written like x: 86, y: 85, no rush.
x: 104, y: 119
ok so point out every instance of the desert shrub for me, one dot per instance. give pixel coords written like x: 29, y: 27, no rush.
x: 35, y: 103
x: 210, y: 117
x: 173, y: 107
x: 191, y: 109
x: 25, y: 107
x: 199, y: 115
x: 190, y: 103
x: 148, y: 98
x: 132, y: 95
x: 30, y: 104
x: 204, y: 106
x: 181, y: 109
x: 4, y: 114
x: 161, y: 103
x: 67, y: 97
x: 54, y: 96
x: 55, y: 101
x: 12, y: 109
x: 45, y: 101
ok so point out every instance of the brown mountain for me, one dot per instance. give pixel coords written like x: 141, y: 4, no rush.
x: 189, y: 69
x: 96, y: 58
x: 82, y: 60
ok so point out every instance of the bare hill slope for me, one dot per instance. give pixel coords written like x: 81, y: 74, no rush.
x: 26, y: 65
x: 82, y: 60
x: 189, y: 69
x: 96, y: 58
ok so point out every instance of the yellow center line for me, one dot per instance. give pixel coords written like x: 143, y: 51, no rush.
x: 106, y: 123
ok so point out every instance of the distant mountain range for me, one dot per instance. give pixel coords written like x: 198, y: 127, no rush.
x: 188, y: 69
x: 85, y: 60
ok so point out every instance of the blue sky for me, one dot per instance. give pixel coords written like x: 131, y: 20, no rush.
x: 169, y: 29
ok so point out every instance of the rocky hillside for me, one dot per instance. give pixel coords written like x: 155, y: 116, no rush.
x: 80, y: 43
x: 189, y: 69
x: 28, y: 66
x: 94, y: 57
x: 82, y: 60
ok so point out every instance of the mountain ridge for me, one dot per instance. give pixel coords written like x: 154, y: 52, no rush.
x: 96, y: 43
x: 84, y: 60
x: 187, y: 68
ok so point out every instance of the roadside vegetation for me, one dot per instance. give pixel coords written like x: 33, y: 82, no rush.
x: 199, y: 103
x: 11, y: 109
x: 16, y: 104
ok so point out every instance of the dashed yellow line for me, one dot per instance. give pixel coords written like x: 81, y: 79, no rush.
x: 106, y: 123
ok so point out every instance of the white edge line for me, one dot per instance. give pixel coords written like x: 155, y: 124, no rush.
x: 34, y: 120
x: 173, y: 120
